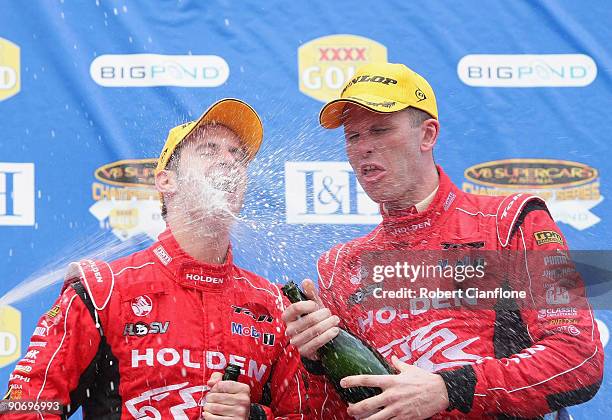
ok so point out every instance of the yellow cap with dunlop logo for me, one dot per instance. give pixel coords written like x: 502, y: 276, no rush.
x: 384, y: 88
x: 235, y: 114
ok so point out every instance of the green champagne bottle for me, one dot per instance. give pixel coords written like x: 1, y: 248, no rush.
x: 231, y: 373
x: 346, y: 355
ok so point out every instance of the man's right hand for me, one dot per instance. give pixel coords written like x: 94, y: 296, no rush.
x: 310, y: 324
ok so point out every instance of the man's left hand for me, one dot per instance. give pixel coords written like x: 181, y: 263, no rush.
x: 414, y: 393
x: 227, y: 399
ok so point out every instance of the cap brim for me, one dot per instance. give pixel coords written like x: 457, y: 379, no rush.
x: 331, y: 114
x: 239, y: 117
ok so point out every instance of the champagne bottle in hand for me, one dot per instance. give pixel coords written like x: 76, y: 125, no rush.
x: 346, y: 355
x: 231, y: 373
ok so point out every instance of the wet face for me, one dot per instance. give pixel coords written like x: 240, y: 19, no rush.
x: 211, y: 174
x: 385, y: 152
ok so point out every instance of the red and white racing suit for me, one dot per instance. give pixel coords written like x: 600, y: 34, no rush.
x: 159, y: 323
x: 498, y: 361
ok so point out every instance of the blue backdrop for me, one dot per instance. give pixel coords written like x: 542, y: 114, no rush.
x: 89, y: 89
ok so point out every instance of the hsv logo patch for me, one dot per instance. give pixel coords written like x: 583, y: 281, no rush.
x: 548, y: 237
x: 141, y: 329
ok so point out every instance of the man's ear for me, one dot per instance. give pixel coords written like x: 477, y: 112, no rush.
x: 165, y: 182
x: 430, y: 129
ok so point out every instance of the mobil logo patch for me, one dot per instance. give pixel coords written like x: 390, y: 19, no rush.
x: 327, y: 63
x: 246, y: 331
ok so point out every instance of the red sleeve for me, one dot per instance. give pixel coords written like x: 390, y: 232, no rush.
x: 288, y: 399
x: 64, y: 343
x: 287, y: 387
x: 564, y: 364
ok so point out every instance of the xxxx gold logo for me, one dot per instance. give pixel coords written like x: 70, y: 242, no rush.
x: 126, y: 199
x: 10, y: 79
x: 327, y: 63
x: 569, y: 188
x: 548, y: 237
x: 10, y: 335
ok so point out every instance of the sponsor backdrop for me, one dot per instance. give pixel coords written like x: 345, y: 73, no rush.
x: 89, y: 89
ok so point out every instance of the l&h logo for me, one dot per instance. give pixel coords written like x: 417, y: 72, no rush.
x: 326, y: 193
x: 17, y: 194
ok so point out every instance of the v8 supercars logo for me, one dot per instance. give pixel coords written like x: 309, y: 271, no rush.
x: 570, y: 189
x: 126, y: 199
x: 327, y: 63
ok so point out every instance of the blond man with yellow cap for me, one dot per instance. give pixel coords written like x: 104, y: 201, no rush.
x: 501, y: 361
x: 151, y: 334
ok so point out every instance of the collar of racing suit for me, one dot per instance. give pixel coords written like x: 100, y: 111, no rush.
x: 404, y: 226
x: 187, y: 271
x: 419, y: 207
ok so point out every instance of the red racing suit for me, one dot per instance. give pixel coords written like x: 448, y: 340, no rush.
x: 140, y: 337
x: 499, y: 361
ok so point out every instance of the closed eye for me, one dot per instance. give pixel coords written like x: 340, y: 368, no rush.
x: 380, y: 129
x: 239, y: 153
x: 208, y: 149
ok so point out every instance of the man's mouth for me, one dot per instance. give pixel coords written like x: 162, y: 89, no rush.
x: 224, y: 183
x: 371, y: 171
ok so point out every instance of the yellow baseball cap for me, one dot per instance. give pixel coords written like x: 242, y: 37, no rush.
x: 235, y: 114
x: 384, y: 88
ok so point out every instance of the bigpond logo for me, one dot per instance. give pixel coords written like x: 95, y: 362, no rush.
x: 145, y: 70
x: 527, y: 70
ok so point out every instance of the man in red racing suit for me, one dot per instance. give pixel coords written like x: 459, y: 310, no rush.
x: 141, y: 337
x: 515, y: 363
x: 503, y: 357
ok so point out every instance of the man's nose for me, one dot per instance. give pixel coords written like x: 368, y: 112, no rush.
x: 227, y: 158
x: 364, y: 146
